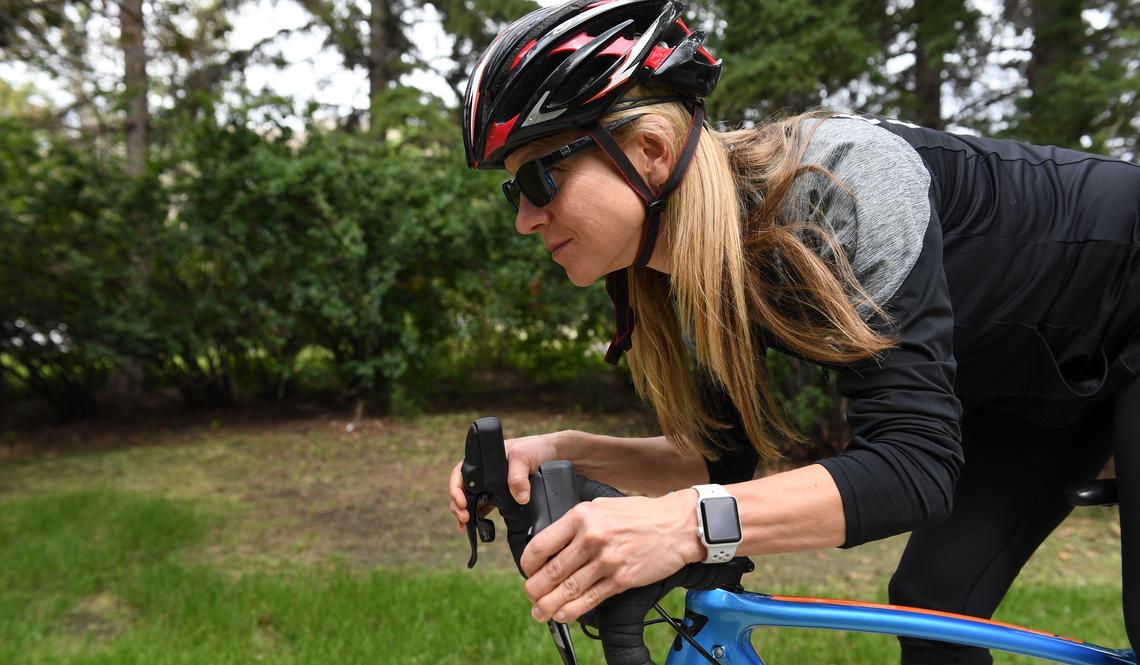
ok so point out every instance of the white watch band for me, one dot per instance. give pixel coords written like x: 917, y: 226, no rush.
x: 714, y: 553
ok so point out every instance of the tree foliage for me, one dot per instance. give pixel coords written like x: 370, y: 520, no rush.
x: 387, y: 257
x: 264, y: 249
x: 66, y: 292
x: 788, y: 54
x: 1083, y: 81
x: 1045, y: 71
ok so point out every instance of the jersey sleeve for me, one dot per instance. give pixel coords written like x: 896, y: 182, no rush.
x: 900, y: 467
x: 899, y: 470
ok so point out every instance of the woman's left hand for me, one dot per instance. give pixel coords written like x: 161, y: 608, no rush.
x: 606, y: 546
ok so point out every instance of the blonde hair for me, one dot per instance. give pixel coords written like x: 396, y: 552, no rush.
x: 734, y: 268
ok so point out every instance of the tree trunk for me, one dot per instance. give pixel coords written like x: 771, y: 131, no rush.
x: 1058, y: 44
x: 927, y: 87
x: 78, y: 74
x: 927, y: 65
x: 378, y: 40
x: 134, y: 77
x: 124, y: 387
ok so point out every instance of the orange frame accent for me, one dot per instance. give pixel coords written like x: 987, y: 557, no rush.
x: 949, y: 615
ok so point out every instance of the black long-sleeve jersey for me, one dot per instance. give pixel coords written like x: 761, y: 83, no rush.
x: 1010, y: 274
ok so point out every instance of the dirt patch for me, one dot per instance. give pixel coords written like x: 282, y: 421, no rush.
x: 100, y: 617
x: 377, y: 495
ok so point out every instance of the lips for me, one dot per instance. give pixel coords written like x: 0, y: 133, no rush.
x: 554, y: 247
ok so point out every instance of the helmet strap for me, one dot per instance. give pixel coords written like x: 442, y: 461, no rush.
x: 617, y: 282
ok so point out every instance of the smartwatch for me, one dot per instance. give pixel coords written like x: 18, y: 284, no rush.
x: 718, y: 523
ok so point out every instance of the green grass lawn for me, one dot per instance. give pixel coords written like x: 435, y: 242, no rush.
x: 109, y: 557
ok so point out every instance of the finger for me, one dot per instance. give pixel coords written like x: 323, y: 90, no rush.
x: 457, y: 512
x: 455, y: 485
x: 588, y: 600
x: 518, y: 477
x: 462, y: 515
x: 561, y: 568
x: 549, y: 542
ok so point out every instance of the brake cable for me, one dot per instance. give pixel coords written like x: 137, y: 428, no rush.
x: 683, y: 633
x: 665, y: 618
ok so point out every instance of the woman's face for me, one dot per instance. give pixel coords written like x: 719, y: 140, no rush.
x: 593, y: 225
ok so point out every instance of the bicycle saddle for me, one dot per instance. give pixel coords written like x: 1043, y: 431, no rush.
x: 1101, y: 492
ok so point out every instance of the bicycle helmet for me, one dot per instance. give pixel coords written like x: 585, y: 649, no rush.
x: 564, y: 67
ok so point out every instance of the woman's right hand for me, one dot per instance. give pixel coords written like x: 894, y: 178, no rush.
x: 524, y: 455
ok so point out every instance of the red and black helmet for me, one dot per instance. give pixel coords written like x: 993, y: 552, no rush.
x: 563, y: 67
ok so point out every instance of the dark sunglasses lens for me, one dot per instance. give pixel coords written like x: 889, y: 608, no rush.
x: 534, y: 184
x: 511, y: 190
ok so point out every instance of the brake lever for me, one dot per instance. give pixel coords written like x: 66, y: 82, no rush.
x: 484, y: 477
x: 480, y: 463
x: 475, y: 524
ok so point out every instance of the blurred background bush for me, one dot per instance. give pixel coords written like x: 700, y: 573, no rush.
x: 170, y: 231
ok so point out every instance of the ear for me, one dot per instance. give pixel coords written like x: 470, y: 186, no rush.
x: 650, y: 150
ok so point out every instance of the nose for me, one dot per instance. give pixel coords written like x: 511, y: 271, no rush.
x: 530, y: 218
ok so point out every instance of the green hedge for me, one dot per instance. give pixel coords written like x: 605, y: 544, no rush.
x: 254, y: 260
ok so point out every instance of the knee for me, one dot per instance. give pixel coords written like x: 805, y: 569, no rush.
x: 922, y: 582
x: 905, y: 589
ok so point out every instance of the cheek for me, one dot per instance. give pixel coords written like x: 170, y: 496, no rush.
x: 606, y: 199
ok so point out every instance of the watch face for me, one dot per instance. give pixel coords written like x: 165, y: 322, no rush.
x: 721, y: 521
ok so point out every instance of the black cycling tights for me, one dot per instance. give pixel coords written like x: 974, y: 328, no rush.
x: 1009, y: 498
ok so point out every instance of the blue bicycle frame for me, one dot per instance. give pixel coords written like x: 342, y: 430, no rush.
x: 732, y: 616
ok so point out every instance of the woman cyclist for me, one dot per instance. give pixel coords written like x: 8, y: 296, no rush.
x: 978, y: 299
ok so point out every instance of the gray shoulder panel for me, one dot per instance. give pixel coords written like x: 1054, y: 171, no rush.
x: 881, y: 217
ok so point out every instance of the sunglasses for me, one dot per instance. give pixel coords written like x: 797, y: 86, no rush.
x: 533, y: 179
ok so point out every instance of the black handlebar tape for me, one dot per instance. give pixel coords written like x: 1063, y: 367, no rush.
x: 588, y: 490
x: 619, y: 620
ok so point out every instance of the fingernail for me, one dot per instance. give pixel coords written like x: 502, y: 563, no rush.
x: 535, y: 613
x: 524, y: 497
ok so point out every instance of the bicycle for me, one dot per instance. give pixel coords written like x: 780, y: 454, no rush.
x: 719, y: 614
